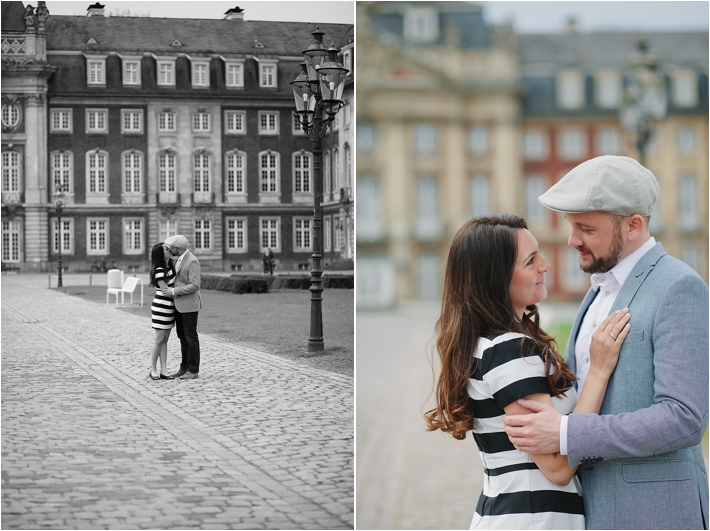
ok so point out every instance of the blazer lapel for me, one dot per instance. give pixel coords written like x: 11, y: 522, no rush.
x: 637, y: 276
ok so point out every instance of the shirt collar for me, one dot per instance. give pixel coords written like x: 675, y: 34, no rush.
x: 622, y: 270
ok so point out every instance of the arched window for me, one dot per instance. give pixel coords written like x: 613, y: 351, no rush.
x: 201, y: 171
x: 269, y: 172
x: 62, y: 171
x: 236, y: 164
x: 302, y: 172
x: 167, y: 170
x: 132, y: 171
x: 11, y: 171
x: 11, y: 115
x: 97, y: 172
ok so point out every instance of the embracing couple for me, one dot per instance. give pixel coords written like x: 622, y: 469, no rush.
x: 611, y: 438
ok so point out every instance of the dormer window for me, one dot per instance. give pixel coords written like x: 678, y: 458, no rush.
x: 95, y: 70
x: 267, y: 73
x: 166, y: 72
x: 201, y: 73
x: 421, y: 25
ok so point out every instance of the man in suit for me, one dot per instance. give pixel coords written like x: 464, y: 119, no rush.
x: 188, y: 303
x: 641, y: 463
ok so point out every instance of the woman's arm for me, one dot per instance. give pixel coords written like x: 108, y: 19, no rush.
x: 604, y: 354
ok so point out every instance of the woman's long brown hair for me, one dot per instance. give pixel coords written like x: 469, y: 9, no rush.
x: 476, y: 301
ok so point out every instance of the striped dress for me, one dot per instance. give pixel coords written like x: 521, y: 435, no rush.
x: 516, y: 494
x: 162, y: 309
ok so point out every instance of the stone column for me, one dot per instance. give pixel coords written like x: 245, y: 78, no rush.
x: 36, y: 195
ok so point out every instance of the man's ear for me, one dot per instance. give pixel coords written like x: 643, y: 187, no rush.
x: 635, y: 227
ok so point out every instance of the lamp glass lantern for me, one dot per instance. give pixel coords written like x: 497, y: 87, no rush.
x: 315, y: 54
x: 332, y: 82
x: 303, y: 97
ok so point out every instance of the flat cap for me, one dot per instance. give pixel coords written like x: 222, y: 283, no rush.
x: 610, y: 183
x: 177, y: 241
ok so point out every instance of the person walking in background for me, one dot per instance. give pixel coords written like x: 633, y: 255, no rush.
x: 188, y: 303
x: 642, y: 462
x: 162, y: 310
x: 268, y: 260
x: 493, y: 351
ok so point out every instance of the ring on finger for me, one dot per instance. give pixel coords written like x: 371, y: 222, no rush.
x: 612, y: 336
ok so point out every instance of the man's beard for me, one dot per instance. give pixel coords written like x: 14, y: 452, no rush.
x: 602, y: 264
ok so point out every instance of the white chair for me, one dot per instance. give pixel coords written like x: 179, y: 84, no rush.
x: 128, y: 287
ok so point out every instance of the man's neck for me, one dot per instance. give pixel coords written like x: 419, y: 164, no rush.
x: 635, y: 246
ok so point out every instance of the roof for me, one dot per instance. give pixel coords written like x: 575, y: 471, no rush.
x: 612, y: 49
x: 13, y: 16
x: 157, y: 35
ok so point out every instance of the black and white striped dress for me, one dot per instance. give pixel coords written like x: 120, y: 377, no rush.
x: 162, y: 309
x: 516, y: 494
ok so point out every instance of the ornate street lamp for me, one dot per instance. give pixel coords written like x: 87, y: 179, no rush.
x: 59, y: 207
x: 317, y: 92
x: 645, y: 97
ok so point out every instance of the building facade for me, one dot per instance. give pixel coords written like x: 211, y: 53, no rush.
x: 155, y: 127
x: 458, y: 119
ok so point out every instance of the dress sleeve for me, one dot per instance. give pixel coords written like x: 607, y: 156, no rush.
x: 512, y: 372
x: 159, y: 274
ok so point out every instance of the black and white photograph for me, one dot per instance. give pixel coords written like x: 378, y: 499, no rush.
x: 178, y: 257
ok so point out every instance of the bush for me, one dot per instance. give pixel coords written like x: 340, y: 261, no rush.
x: 235, y: 284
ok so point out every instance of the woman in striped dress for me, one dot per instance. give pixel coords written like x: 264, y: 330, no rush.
x: 494, y: 352
x: 162, y: 311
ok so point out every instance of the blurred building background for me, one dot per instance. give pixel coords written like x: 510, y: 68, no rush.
x: 457, y: 118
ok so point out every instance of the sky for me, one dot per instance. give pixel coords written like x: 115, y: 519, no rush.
x: 551, y: 17
x: 339, y: 12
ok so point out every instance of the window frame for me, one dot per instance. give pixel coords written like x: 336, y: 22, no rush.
x: 302, y: 176
x: 67, y: 235
x: 132, y: 130
x: 302, y: 232
x: 105, y: 231
x: 125, y: 77
x: 103, y: 113
x: 269, y: 129
x: 276, y: 232
x: 140, y: 232
x: 232, y: 233
x: 204, y: 231
x: 168, y: 61
x: 66, y: 176
x: 99, y: 60
x: 195, y: 75
x: 198, y: 123
x: 228, y: 115
x: 104, y: 171
x: 227, y: 81
x: 235, y: 154
x: 268, y: 80
x: 166, y: 113
x: 135, y: 172
x: 53, y: 113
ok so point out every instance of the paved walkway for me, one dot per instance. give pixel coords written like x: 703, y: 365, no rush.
x: 89, y: 442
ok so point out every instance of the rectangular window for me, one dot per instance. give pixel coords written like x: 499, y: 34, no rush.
x: 166, y: 72
x: 132, y: 172
x: 369, y: 224
x: 421, y: 24
x: 366, y: 137
x: 268, y: 123
x: 166, y: 122
x: 479, y: 196
x: 427, y: 225
x: 96, y: 70
x: 11, y: 171
x: 61, y: 171
x: 235, y: 75
x: 97, y: 167
x: 684, y: 88
x: 297, y: 128
x: 200, y: 74
x: 203, y: 235
x: 478, y: 140
x: 338, y: 233
x: 302, y: 229
x: 269, y: 229
x: 689, y: 220
x: 60, y: 120
x: 166, y: 172
x: 534, y: 188
x: 167, y: 228
x: 267, y: 75
x: 302, y: 167
x: 535, y: 145
x: 607, y: 89
x: 236, y: 172
x: 235, y: 122
x: 97, y: 236
x: 201, y: 122
x: 425, y: 138
x: 686, y: 140
x: 327, y: 234
x: 571, y: 144
x: 608, y: 141
x: 11, y: 232
x: 131, y: 71
x: 132, y: 236
x: 428, y: 276
x: 570, y: 90
x: 131, y: 121
x: 269, y: 172
x: 237, y: 235
x: 96, y: 121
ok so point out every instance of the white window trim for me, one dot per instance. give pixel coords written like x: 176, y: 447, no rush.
x: 125, y: 61
x: 564, y: 99
x: 296, y: 128
x: 277, y: 248
x: 234, y: 62
x: 208, y: 231
x: 14, y: 233
x: 210, y: 166
x: 566, y: 132
x: 297, y: 248
x: 209, y: 121
x: 97, y: 252
x: 90, y: 194
x: 69, y: 184
x: 602, y: 79
x: 97, y: 131
x: 227, y: 155
x: 13, y: 108
x: 266, y: 63
x: 245, y: 230
x: 175, y: 118
x: 174, y: 170
x: 70, y: 127
x: 309, y: 157
x: 243, y: 130
x: 138, y: 131
x: 165, y: 60
x: 276, y: 123
x: 141, y: 173
x: 100, y: 59
x: 68, y: 235
x: 275, y: 193
x: 681, y: 76
x: 194, y: 62
x: 124, y: 242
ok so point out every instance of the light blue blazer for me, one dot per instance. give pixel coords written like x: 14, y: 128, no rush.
x: 641, y: 464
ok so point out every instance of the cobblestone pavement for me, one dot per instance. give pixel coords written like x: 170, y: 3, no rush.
x: 89, y: 442
x: 407, y: 478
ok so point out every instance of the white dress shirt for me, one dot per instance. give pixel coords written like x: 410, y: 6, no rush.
x: 609, y: 285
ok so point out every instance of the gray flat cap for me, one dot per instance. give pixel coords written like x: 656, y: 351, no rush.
x: 177, y: 241
x: 614, y: 184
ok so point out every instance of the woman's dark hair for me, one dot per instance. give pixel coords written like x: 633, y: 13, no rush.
x: 157, y: 259
x: 476, y: 301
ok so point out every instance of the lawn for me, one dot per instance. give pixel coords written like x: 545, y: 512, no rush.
x: 277, y: 322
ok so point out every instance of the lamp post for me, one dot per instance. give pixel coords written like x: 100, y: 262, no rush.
x: 645, y: 99
x: 59, y: 206
x: 317, y: 92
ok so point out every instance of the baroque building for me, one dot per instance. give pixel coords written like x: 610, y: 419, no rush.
x: 152, y: 127
x: 457, y: 118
